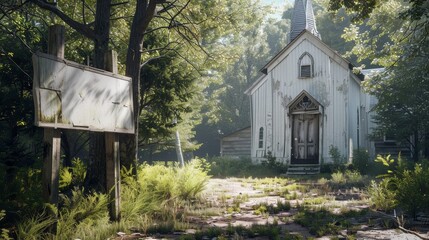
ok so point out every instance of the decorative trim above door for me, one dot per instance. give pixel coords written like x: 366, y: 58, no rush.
x: 304, y: 103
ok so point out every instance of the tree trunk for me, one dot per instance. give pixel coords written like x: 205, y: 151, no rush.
x: 179, y: 150
x: 145, y: 10
x: 96, y: 176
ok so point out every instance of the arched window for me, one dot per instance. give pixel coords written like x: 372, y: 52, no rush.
x: 306, y: 66
x: 261, y: 138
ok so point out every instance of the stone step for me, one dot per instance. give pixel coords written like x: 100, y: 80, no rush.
x: 303, y: 169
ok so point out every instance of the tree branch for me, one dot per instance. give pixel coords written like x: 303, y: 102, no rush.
x: 79, y: 27
x: 119, y: 3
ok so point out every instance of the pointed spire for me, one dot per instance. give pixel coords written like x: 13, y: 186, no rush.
x: 303, y: 18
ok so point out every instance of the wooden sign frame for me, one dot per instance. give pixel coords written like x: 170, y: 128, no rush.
x: 69, y: 95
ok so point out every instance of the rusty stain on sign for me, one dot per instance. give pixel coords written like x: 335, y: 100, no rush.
x: 73, y: 96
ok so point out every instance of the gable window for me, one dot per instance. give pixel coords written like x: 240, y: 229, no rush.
x: 306, y: 66
x: 261, y: 138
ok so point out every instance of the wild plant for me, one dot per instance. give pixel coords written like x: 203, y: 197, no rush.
x: 361, y: 160
x: 408, y: 187
x: 79, y: 210
x: 336, y: 156
x: 338, y: 177
x: 4, y: 233
x: 36, y: 226
x: 74, y: 175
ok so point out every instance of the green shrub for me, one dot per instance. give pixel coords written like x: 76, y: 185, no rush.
x: 319, y: 223
x: 353, y: 176
x: 74, y: 175
x: 79, y: 210
x: 412, y: 191
x: 382, y: 197
x: 162, y: 190
x: 271, y: 162
x: 228, y: 167
x: 35, y: 227
x: 410, y: 187
x: 243, y: 167
x: 338, y: 177
x: 159, y: 194
x: 4, y: 233
x: 336, y: 156
x: 361, y: 160
x: 191, y: 179
x: 263, y: 208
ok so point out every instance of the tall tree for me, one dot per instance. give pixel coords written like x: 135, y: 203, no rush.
x: 402, y: 27
x: 206, y: 29
x: 18, y: 38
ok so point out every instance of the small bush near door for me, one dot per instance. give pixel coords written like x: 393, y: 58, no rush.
x: 361, y: 160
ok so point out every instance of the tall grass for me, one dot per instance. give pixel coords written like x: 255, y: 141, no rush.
x: 156, y: 197
x: 243, y: 167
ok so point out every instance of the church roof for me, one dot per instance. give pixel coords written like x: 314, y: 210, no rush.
x: 303, y: 19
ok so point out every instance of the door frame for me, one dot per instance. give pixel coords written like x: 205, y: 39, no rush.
x: 305, y: 104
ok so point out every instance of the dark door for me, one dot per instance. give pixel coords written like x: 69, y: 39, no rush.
x: 305, y: 139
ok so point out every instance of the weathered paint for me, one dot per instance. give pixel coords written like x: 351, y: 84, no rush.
x: 336, y: 89
x: 73, y: 96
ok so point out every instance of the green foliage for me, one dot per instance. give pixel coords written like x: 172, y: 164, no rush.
x: 319, y: 223
x: 73, y: 176
x: 35, y: 227
x: 361, y: 9
x: 272, y: 163
x: 382, y: 195
x: 271, y: 231
x: 338, y: 178
x: 404, y: 187
x: 412, y: 189
x: 323, y: 222
x: 361, y: 160
x: 78, y: 216
x: 348, y: 178
x: 336, y: 156
x: 228, y: 108
x: 192, y: 178
x: 4, y: 233
x: 400, y: 45
x: 161, y: 194
x: 243, y: 167
x: 162, y: 190
x: 280, y: 206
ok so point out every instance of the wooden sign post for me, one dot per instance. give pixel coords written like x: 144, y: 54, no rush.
x: 113, y: 173
x: 68, y: 95
x: 52, y: 136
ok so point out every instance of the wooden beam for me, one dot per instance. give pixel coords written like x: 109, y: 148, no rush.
x: 113, y: 173
x: 51, y: 164
x: 51, y: 136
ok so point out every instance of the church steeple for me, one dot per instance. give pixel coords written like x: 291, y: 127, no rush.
x: 303, y: 18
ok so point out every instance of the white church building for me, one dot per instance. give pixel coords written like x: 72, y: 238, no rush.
x: 308, y: 100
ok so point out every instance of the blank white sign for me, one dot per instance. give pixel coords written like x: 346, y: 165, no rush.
x: 73, y: 96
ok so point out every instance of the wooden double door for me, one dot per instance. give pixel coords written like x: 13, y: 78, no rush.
x: 305, y: 139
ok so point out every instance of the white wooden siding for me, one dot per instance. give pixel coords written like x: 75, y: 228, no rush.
x: 333, y: 86
x: 261, y: 110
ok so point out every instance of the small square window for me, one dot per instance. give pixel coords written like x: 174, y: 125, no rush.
x: 305, y: 71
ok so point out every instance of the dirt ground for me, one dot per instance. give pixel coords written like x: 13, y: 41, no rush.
x: 235, y: 187
x: 222, y: 194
